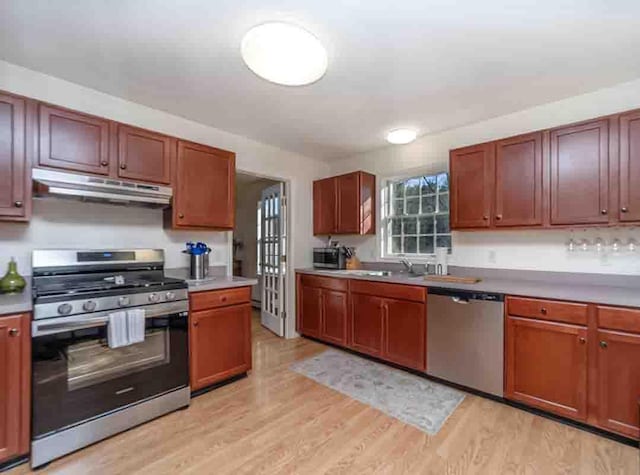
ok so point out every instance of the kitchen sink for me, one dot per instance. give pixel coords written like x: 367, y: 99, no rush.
x: 365, y: 273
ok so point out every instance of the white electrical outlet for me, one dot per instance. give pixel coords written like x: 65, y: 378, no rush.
x: 492, y: 256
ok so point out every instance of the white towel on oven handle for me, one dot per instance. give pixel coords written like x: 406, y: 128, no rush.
x: 117, y: 331
x: 136, y: 321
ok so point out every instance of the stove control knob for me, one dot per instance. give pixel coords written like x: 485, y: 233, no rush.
x: 65, y: 309
x: 89, y: 306
x: 153, y: 298
x: 170, y: 295
x: 124, y: 301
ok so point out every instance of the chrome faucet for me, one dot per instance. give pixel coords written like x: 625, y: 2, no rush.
x: 407, y: 265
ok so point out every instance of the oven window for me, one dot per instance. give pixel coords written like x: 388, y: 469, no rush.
x: 91, y: 362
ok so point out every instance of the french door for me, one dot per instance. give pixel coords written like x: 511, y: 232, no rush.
x: 273, y: 245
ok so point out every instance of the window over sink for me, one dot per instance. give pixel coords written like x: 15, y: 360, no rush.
x: 415, y: 216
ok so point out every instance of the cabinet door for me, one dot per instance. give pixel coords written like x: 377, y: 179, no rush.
x: 472, y: 176
x: 310, y: 308
x: 630, y: 167
x: 144, y: 155
x: 13, y: 165
x: 546, y: 366
x: 580, y: 173
x: 334, y: 317
x: 220, y: 344
x: 205, y: 187
x: 367, y: 324
x: 619, y: 382
x: 15, y: 367
x: 405, y: 333
x: 73, y: 141
x: 348, y: 204
x: 519, y: 181
x: 325, y: 201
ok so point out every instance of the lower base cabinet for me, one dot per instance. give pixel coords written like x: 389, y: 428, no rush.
x: 15, y: 386
x: 219, y: 336
x: 323, y: 307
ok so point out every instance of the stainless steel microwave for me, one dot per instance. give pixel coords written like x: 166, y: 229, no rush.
x: 329, y: 258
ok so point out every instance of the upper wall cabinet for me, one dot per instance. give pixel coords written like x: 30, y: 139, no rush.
x: 15, y: 196
x: 73, y: 141
x: 472, y: 178
x: 204, y: 194
x: 630, y: 167
x: 345, y: 204
x: 580, y: 173
x: 145, y: 155
x: 518, y: 185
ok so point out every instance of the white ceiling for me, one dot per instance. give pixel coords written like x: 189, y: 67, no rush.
x: 428, y: 64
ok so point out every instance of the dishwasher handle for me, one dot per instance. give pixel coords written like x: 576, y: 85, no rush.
x: 460, y: 300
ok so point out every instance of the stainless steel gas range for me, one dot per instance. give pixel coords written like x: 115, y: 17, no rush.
x: 84, y: 390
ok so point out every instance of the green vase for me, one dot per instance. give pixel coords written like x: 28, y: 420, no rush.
x: 12, y: 282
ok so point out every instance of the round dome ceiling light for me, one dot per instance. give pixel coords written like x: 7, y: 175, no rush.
x: 284, y: 54
x: 401, y: 136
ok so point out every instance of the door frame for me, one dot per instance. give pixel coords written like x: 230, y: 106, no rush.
x: 289, y: 280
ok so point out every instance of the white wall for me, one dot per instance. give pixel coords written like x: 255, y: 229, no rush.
x: 538, y: 250
x: 251, y: 156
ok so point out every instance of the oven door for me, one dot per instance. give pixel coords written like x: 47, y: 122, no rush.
x: 77, y: 377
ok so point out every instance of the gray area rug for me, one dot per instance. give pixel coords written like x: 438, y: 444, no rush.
x: 409, y: 398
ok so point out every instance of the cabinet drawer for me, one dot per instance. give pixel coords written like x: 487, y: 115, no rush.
x: 219, y: 298
x: 394, y: 291
x: 548, y: 310
x: 331, y: 283
x: 616, y: 318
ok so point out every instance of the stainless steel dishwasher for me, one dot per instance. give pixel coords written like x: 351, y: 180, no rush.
x: 465, y: 338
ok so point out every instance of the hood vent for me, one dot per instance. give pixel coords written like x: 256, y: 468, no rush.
x: 105, y: 190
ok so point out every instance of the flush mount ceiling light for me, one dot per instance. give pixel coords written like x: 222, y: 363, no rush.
x: 401, y: 136
x: 284, y: 54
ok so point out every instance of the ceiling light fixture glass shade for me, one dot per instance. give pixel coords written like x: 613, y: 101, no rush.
x: 284, y: 54
x: 401, y: 136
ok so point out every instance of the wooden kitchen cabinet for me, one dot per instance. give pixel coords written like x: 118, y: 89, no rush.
x: 144, y: 155
x: 15, y: 179
x: 472, y: 182
x: 73, y: 141
x: 630, y: 167
x: 546, y: 366
x: 323, y: 308
x: 344, y: 204
x: 367, y: 324
x: 405, y: 341
x: 219, y: 337
x: 15, y: 386
x: 325, y: 212
x: 204, y: 192
x: 580, y: 173
x: 518, y: 181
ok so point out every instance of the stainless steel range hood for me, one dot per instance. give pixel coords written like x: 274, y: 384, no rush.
x: 106, y: 190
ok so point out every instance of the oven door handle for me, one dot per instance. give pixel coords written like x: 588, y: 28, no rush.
x: 52, y: 326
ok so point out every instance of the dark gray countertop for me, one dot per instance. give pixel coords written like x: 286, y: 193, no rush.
x: 593, y: 288
x: 215, y: 282
x: 17, y: 303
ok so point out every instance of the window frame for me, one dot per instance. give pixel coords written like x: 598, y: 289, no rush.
x: 387, y: 198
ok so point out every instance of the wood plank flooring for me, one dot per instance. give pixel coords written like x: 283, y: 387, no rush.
x: 276, y: 421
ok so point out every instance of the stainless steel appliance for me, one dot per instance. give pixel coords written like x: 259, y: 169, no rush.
x: 329, y: 258
x: 90, y: 188
x: 465, y: 338
x: 83, y: 390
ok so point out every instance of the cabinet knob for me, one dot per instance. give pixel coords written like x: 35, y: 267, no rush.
x: 498, y: 217
x: 582, y: 340
x: 603, y: 211
x: 123, y: 166
x: 624, y: 209
x: 603, y: 344
x: 18, y: 204
x: 485, y: 217
x: 104, y: 163
x: 14, y: 332
x: 195, y: 324
x: 180, y: 215
x: 543, y: 311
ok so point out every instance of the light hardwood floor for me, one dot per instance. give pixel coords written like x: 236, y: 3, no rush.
x: 276, y: 421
